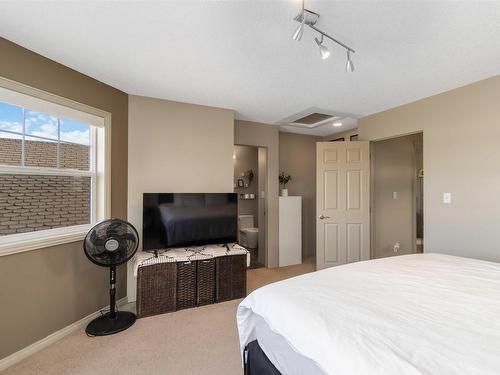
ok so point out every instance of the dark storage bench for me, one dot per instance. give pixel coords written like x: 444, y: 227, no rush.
x: 172, y: 286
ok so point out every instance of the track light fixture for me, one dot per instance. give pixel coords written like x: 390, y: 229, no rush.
x: 323, y: 50
x: 309, y: 18
x: 349, y: 67
x: 297, y: 35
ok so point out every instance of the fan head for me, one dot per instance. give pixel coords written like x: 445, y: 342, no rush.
x: 111, y: 242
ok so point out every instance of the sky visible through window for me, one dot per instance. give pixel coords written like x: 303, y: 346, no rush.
x: 41, y: 125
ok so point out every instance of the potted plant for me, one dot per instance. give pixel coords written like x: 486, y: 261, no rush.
x: 249, y: 175
x: 284, y: 179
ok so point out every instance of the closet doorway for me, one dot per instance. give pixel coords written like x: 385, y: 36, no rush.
x: 397, y: 212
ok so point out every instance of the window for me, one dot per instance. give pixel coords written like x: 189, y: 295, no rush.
x: 53, y: 170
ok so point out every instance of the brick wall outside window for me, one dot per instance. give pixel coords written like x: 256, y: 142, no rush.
x: 30, y: 203
x: 10, y: 151
x: 44, y: 154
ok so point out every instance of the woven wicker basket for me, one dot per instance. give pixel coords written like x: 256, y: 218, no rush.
x: 186, y: 285
x: 167, y: 287
x: 231, y: 277
x: 205, y: 282
x: 156, y: 289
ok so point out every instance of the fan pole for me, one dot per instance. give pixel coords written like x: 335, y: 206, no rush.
x: 112, y: 292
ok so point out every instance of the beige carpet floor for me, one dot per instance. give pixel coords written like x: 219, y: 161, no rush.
x: 196, y: 341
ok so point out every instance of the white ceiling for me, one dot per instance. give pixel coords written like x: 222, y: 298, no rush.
x: 240, y: 54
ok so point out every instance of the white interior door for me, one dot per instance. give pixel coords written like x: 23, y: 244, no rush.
x: 342, y: 203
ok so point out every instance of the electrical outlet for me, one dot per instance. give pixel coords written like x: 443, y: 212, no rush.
x: 447, y: 198
x: 394, y: 195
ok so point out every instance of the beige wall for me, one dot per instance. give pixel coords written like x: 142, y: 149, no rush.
x: 347, y: 134
x: 176, y: 148
x: 461, y: 156
x: 394, y: 169
x: 298, y: 159
x: 45, y: 290
x: 263, y: 135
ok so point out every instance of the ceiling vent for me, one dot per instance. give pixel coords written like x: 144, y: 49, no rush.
x: 313, y: 119
x: 318, y: 121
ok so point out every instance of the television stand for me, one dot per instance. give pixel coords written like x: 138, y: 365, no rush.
x: 171, y: 281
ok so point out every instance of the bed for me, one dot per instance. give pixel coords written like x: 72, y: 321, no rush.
x: 412, y: 314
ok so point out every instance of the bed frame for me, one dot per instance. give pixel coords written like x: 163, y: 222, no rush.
x: 256, y: 361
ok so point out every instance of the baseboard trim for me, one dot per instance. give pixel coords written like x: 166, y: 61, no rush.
x: 52, y: 338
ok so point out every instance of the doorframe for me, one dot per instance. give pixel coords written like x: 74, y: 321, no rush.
x: 372, y: 201
x: 266, y: 199
x: 372, y: 191
x: 415, y: 189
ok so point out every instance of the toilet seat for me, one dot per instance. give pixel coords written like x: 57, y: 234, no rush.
x: 250, y: 230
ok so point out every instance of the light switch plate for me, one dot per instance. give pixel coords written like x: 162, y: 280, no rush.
x: 394, y: 195
x: 447, y: 198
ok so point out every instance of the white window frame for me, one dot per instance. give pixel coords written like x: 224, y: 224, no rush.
x: 24, y: 96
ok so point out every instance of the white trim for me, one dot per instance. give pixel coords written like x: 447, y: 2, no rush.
x: 21, y: 242
x: 17, y: 169
x: 93, y: 160
x: 51, y: 339
x: 28, y: 96
x: 104, y: 180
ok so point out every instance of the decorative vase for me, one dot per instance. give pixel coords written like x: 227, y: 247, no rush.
x: 284, y: 192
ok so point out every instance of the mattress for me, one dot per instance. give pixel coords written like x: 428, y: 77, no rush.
x: 413, y: 314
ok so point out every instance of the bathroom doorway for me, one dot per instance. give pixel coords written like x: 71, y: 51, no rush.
x: 250, y: 183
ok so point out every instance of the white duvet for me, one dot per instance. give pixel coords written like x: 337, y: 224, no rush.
x: 404, y: 315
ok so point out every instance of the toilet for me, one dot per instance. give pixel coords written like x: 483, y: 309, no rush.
x: 249, y: 235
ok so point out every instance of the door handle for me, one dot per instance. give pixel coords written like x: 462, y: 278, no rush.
x: 323, y: 217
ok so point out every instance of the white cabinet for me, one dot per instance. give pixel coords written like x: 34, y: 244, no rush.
x: 290, y: 230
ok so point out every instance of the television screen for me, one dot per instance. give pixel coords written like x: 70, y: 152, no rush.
x: 188, y: 219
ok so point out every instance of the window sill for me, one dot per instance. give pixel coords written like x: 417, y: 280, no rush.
x: 21, y: 242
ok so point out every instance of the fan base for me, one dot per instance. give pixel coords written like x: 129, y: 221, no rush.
x: 104, y: 325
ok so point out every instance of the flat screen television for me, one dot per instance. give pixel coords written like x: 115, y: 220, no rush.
x: 188, y: 219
